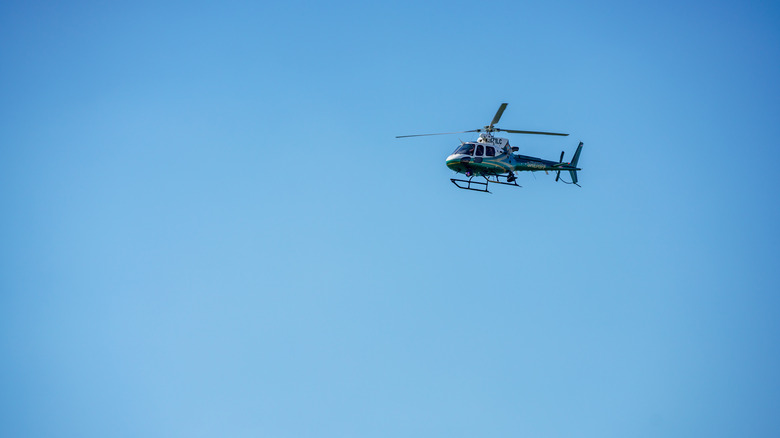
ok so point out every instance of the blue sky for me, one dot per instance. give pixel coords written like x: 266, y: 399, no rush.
x: 209, y: 228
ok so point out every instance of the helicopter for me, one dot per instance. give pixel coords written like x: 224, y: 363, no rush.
x: 492, y: 158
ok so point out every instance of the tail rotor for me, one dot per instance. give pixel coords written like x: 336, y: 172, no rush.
x: 558, y: 174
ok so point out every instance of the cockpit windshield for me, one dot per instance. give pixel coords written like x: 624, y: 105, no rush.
x: 465, y: 148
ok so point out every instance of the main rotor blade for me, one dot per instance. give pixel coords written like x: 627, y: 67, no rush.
x: 498, y: 114
x: 512, y: 131
x: 438, y: 133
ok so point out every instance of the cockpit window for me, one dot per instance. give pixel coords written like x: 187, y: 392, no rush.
x: 480, y: 150
x: 491, y: 151
x: 466, y: 148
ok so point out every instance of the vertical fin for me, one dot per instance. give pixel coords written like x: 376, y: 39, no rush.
x: 576, y: 155
x: 574, y: 161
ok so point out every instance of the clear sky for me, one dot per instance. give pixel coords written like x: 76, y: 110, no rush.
x: 209, y: 229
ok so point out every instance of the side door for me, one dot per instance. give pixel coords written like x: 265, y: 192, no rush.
x: 479, y: 153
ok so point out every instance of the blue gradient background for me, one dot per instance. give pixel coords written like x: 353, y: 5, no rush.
x: 209, y: 229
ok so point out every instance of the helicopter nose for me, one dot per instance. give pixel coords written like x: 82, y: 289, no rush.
x: 457, y: 162
x: 457, y: 158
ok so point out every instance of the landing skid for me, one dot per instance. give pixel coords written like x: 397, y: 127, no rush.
x: 482, y: 186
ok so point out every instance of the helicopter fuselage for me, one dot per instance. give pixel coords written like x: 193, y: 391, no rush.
x: 493, y: 156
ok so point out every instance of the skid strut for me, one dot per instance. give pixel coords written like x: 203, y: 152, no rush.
x: 482, y: 186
